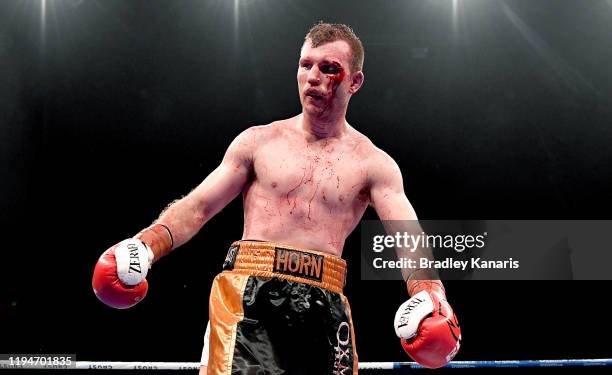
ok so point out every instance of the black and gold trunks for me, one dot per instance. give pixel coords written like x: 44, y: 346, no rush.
x: 279, y: 309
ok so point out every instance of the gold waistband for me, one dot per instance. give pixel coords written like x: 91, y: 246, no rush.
x: 269, y: 259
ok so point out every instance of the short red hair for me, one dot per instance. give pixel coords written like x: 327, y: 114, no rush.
x: 323, y: 33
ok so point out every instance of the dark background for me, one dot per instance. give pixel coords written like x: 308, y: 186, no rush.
x: 109, y: 110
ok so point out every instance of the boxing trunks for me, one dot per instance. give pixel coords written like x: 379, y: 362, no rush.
x: 279, y: 309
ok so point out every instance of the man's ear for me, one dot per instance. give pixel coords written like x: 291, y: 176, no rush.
x: 356, y: 82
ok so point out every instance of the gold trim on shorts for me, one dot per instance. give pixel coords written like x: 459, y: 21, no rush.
x: 269, y: 259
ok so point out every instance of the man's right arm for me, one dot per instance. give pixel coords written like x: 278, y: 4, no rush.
x: 119, y: 278
x: 185, y: 217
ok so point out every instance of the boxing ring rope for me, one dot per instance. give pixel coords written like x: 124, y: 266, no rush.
x: 94, y: 365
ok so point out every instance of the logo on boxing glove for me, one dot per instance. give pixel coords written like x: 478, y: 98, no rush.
x: 411, y: 313
x: 410, y: 305
x: 133, y: 261
x: 453, y: 326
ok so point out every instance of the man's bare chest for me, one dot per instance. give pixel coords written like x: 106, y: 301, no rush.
x: 333, y: 175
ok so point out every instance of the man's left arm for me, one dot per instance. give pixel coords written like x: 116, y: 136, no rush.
x: 426, y: 324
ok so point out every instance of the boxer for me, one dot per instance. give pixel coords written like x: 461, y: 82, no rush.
x: 305, y: 181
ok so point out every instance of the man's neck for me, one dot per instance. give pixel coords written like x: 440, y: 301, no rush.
x: 316, y: 128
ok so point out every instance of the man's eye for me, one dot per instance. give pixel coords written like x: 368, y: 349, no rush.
x: 330, y: 69
x: 306, y: 65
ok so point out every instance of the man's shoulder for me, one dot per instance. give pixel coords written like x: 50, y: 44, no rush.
x: 365, y: 147
x: 268, y: 131
x: 378, y: 164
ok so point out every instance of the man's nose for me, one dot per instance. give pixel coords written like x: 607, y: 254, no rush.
x: 314, y: 76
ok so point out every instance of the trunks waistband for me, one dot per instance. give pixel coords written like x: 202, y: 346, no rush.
x: 269, y: 259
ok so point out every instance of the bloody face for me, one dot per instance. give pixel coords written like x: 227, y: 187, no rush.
x: 322, y: 82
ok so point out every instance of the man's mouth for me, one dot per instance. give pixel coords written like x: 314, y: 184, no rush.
x: 314, y: 94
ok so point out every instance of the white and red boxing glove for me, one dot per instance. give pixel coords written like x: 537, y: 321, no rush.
x: 427, y: 326
x: 119, y: 278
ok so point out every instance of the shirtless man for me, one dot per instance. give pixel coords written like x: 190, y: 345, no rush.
x: 306, y: 182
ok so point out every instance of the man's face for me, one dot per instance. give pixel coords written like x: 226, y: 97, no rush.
x: 325, y: 81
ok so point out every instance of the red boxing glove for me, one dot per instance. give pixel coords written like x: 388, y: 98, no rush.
x: 428, y: 327
x: 119, y: 276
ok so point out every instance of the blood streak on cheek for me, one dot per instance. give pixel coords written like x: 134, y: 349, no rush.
x: 336, y: 79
